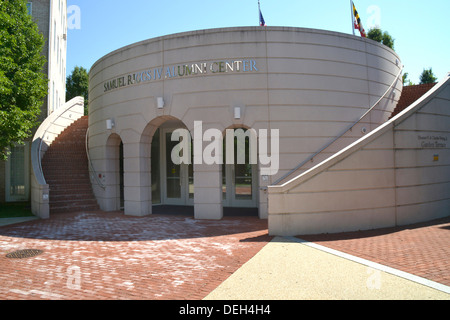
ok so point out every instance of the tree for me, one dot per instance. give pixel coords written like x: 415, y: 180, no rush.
x: 405, y: 78
x: 383, y: 37
x: 77, y: 84
x: 23, y: 85
x: 406, y: 81
x: 427, y: 76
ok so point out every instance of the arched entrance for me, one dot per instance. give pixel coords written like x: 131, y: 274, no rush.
x: 172, y: 183
x: 206, y: 190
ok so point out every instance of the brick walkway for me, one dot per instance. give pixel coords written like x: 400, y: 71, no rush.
x: 422, y: 249
x: 112, y: 256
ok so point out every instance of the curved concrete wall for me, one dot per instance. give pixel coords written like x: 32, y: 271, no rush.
x: 47, y: 132
x: 397, y: 175
x: 309, y: 84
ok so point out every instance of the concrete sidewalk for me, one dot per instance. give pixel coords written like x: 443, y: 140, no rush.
x: 292, y: 269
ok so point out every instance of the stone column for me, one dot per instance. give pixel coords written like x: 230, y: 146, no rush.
x: 208, y: 191
x: 137, y: 179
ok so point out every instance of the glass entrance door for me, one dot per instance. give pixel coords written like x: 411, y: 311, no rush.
x: 178, y: 178
x: 239, y: 182
x: 239, y: 186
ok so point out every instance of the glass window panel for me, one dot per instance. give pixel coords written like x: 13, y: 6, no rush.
x: 173, y: 170
x: 121, y: 177
x: 191, y: 174
x: 17, y: 171
x: 30, y: 8
x: 156, y: 169
x: 243, y: 181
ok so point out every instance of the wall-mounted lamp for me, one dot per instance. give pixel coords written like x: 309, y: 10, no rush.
x: 237, y: 113
x: 110, y: 124
x: 160, y: 102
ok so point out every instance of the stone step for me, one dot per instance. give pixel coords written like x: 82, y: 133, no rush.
x: 66, y: 170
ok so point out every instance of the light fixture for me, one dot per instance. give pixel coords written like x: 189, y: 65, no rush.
x: 237, y: 113
x: 110, y: 124
x: 160, y: 102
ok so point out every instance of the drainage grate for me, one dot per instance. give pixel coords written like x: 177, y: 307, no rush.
x: 22, y: 254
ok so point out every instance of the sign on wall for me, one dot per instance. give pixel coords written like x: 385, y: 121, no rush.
x: 181, y: 70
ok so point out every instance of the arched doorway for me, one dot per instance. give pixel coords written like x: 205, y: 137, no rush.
x: 172, y: 184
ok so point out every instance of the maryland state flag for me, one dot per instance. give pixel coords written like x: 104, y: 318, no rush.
x: 357, y: 21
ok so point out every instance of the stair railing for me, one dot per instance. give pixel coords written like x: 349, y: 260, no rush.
x: 311, y: 158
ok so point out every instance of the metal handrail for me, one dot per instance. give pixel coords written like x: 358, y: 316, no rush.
x: 100, y: 184
x: 310, y: 158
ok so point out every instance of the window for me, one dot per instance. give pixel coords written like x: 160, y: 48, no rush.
x: 30, y: 8
x: 17, y: 173
x: 54, y: 36
x: 52, y: 107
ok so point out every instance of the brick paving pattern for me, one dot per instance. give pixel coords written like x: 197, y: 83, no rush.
x: 105, y: 256
x: 111, y: 256
x: 421, y: 249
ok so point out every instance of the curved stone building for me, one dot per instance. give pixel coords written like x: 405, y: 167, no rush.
x: 303, y: 95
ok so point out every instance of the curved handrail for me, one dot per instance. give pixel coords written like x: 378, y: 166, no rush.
x: 310, y: 158
x: 100, y: 184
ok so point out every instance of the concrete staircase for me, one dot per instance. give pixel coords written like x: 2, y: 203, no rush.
x: 66, y: 170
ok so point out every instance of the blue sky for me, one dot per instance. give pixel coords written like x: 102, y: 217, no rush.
x: 420, y: 28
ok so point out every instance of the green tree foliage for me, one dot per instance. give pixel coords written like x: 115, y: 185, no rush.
x: 427, y: 76
x: 77, y: 84
x: 23, y: 85
x: 406, y: 81
x: 382, y: 37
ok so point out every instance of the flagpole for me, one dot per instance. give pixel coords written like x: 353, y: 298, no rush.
x: 353, y: 17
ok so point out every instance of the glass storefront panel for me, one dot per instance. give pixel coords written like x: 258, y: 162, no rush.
x: 173, y: 171
x: 243, y: 182
x: 17, y: 172
x: 156, y: 168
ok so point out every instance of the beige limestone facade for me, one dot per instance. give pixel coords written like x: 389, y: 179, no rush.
x: 305, y: 88
x: 397, y: 175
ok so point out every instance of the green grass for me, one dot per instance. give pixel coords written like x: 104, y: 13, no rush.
x: 15, y: 210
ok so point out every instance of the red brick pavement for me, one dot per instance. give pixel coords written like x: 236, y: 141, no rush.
x: 111, y: 256
x: 421, y: 249
x: 92, y: 256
